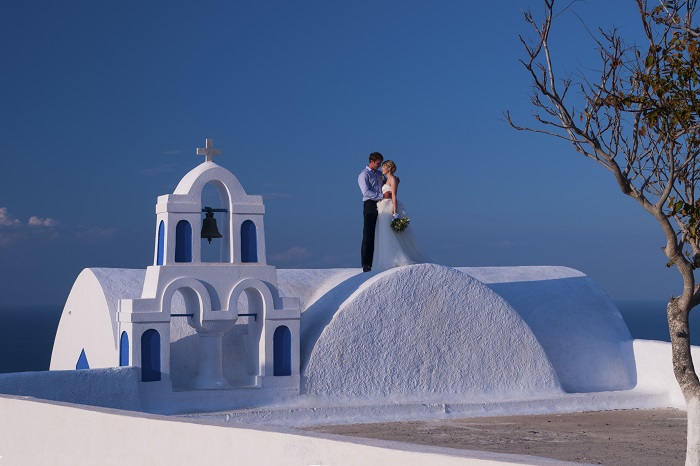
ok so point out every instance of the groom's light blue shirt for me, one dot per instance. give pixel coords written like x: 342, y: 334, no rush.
x: 370, y: 182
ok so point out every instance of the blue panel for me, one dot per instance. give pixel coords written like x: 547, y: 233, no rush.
x: 282, y: 351
x: 249, y: 242
x: 183, y: 241
x: 82, y: 361
x: 124, y: 350
x: 161, y: 243
x: 150, y: 356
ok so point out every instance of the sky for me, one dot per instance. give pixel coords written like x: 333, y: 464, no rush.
x: 103, y: 104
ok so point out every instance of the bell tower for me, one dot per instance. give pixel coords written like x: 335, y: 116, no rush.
x: 239, y: 290
x: 182, y: 218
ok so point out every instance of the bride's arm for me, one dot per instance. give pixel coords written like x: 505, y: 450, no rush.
x: 394, y: 188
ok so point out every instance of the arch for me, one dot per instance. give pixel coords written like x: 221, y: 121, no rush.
x: 282, y: 351
x: 183, y: 241
x: 160, y: 251
x: 82, y: 361
x: 215, y: 194
x: 124, y: 350
x: 194, y: 181
x: 249, y: 242
x: 260, y: 301
x: 200, y: 293
x: 150, y: 356
x: 257, y: 285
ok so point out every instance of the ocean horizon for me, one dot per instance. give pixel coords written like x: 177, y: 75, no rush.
x: 27, y: 333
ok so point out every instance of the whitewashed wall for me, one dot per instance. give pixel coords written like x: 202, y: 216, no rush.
x: 33, y: 432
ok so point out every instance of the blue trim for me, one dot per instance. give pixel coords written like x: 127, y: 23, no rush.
x: 183, y: 241
x: 82, y: 361
x: 124, y: 350
x: 282, y: 351
x: 161, y: 243
x: 150, y: 356
x: 249, y: 242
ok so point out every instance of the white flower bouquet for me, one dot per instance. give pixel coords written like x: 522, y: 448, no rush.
x: 399, y: 224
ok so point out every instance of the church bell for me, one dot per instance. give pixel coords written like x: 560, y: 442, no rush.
x: 209, y: 229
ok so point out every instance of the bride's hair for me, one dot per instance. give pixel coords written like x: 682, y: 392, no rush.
x: 391, y: 165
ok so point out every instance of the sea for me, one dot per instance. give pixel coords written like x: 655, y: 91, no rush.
x: 27, y: 333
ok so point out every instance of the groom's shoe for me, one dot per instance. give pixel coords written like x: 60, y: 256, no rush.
x: 366, y: 268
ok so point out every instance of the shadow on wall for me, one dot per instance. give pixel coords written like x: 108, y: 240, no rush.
x: 580, y: 329
x: 320, y: 313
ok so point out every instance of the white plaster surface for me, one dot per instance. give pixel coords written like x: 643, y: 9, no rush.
x: 655, y: 370
x: 575, y: 321
x: 83, y: 436
x: 423, y: 332
x: 89, y: 318
x: 112, y: 388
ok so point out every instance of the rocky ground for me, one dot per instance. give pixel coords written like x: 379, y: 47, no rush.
x: 614, y: 438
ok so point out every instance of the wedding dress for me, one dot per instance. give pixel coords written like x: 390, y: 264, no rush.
x: 391, y: 248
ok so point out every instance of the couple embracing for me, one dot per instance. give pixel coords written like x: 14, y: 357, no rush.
x: 382, y: 245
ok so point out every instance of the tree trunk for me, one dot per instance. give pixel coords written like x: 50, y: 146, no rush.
x: 692, y: 452
x: 685, y: 375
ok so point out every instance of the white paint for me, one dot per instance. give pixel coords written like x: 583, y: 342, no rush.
x: 655, y: 370
x: 79, y: 436
x: 576, y: 323
x: 692, y: 455
x: 423, y: 332
x: 89, y: 318
x: 110, y: 388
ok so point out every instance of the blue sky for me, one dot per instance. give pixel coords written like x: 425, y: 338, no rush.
x: 103, y: 105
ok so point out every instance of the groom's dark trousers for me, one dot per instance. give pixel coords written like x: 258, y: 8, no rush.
x: 370, y: 213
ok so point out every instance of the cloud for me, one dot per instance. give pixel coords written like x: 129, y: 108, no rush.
x: 172, y: 152
x: 44, y: 222
x: 6, y: 219
x: 14, y: 231
x: 295, y: 253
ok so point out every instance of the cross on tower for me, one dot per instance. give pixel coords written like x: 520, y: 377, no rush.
x: 208, y: 152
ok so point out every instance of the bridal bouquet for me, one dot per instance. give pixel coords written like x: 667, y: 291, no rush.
x: 399, y: 224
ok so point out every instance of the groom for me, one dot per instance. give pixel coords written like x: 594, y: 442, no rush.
x: 370, y: 181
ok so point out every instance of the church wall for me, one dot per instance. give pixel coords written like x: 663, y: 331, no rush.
x: 84, y: 436
x: 576, y: 323
x: 109, y: 388
x: 85, y: 324
x: 423, y: 332
x: 89, y: 318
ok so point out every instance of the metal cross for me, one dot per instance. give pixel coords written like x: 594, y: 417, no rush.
x: 208, y: 152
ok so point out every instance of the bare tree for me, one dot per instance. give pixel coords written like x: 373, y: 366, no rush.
x: 639, y: 118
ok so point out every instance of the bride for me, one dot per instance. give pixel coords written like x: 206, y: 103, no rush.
x: 391, y: 248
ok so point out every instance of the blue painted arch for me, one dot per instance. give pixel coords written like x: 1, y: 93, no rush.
x: 183, y: 241
x: 249, y: 242
x: 282, y: 351
x: 160, y: 253
x: 124, y: 350
x: 150, y: 356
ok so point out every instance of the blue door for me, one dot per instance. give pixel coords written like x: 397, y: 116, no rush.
x: 150, y: 356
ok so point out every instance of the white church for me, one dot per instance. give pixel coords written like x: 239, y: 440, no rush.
x: 197, y: 331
